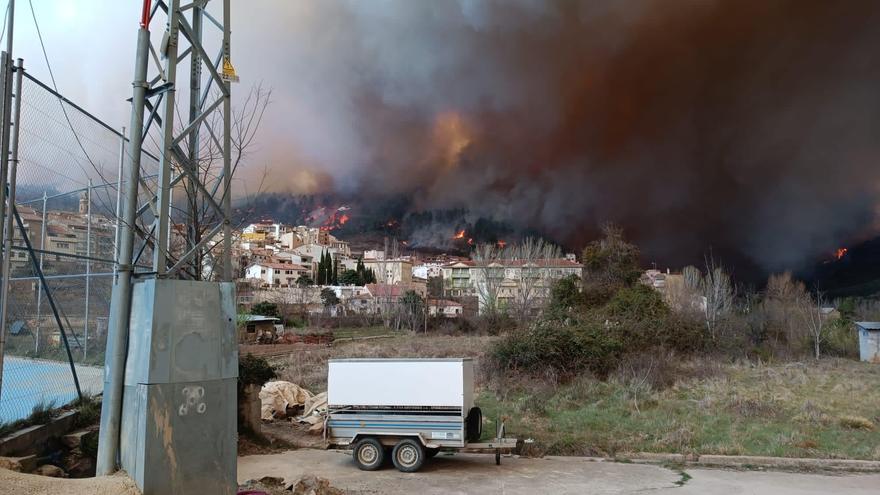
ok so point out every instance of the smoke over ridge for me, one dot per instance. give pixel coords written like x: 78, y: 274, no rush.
x: 748, y: 127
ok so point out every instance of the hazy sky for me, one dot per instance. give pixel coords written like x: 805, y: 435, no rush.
x: 750, y: 127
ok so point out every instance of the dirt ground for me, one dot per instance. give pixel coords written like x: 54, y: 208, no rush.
x: 469, y: 473
x: 31, y: 484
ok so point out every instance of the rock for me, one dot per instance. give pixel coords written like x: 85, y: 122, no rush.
x: 312, y: 485
x: 24, y: 464
x: 83, y: 468
x: 271, y: 481
x: 76, y: 439
x: 51, y: 471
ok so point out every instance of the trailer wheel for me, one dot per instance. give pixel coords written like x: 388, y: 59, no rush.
x: 408, y: 455
x: 474, y: 424
x: 368, y: 454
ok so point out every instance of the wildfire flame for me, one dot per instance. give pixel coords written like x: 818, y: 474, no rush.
x: 336, y: 219
x: 841, y: 252
x: 502, y: 243
x: 470, y: 241
x: 459, y: 235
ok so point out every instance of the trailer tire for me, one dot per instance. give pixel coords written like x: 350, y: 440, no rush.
x: 474, y: 425
x: 369, y: 454
x: 408, y: 455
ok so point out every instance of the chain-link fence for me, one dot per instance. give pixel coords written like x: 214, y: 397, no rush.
x: 66, y: 197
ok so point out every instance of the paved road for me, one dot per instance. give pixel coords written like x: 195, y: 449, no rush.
x: 465, y: 473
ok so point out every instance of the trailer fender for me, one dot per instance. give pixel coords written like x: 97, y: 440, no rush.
x: 380, y: 436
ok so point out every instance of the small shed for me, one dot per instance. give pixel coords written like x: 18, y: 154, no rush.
x: 254, y: 327
x: 19, y: 327
x: 869, y: 340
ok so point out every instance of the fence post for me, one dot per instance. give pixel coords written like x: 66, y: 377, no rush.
x: 7, y: 248
x: 43, y: 232
x: 88, y: 266
x: 118, y: 201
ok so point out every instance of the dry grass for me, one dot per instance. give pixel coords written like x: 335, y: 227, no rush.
x: 697, y: 405
x: 826, y: 409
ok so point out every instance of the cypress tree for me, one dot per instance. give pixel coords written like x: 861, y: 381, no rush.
x: 322, y: 272
x: 361, y: 272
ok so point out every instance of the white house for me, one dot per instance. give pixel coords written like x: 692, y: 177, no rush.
x: 428, y: 270
x: 276, y: 274
x: 445, y: 308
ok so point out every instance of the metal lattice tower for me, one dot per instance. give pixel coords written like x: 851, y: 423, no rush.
x: 187, y: 161
x: 188, y: 119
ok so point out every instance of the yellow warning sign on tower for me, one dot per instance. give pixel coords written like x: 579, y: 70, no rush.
x: 228, y: 73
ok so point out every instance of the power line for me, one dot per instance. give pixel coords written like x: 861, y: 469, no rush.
x: 61, y: 103
x: 5, y: 18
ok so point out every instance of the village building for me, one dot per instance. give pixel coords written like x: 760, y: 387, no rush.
x: 276, y: 274
x: 504, y: 283
x: 445, y: 308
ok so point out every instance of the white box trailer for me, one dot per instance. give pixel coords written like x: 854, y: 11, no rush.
x: 413, y: 407
x: 413, y: 383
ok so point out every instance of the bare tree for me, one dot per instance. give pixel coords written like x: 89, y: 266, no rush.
x: 489, y: 271
x: 814, y: 320
x: 718, y: 295
x: 530, y: 274
x: 205, y: 162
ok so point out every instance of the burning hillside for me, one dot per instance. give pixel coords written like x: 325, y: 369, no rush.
x: 740, y: 126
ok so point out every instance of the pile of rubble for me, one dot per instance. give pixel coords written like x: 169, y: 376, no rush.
x: 306, y: 485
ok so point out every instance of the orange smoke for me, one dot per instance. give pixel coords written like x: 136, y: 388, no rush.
x: 451, y: 137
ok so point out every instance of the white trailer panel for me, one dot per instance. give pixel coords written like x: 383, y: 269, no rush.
x: 441, y: 383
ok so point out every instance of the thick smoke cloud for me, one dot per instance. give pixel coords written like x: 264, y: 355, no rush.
x: 748, y: 127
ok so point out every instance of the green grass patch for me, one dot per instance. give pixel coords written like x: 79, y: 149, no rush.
x: 791, y: 410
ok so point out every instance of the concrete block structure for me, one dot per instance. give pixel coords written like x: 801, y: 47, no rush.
x: 179, y: 405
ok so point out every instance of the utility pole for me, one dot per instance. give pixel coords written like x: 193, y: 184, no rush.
x: 171, y: 349
x: 120, y: 299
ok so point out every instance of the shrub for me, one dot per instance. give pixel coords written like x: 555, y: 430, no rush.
x: 636, y: 303
x: 495, y: 323
x: 636, y: 320
x: 565, y: 350
x: 841, y: 340
x: 565, y: 295
x: 856, y: 423
x: 265, y: 309
x: 254, y: 370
